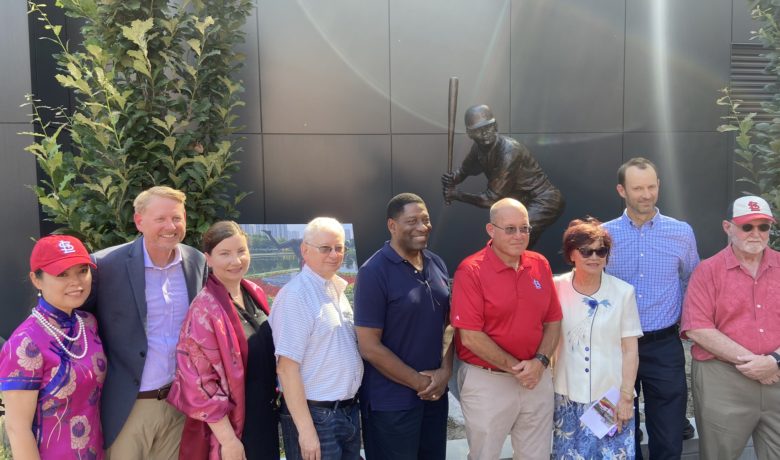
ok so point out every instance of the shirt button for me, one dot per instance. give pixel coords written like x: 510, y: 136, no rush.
x: 587, y: 348
x: 641, y: 254
x: 587, y: 370
x: 758, y: 306
x: 587, y: 359
x: 761, y: 330
x: 641, y: 275
x: 640, y: 296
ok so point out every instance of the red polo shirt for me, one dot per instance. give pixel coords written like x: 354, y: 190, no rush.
x: 509, y: 306
x: 722, y: 295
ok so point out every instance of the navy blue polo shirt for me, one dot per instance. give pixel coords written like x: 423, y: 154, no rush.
x: 410, y: 307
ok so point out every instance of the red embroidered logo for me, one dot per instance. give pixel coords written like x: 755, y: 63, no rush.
x: 754, y: 206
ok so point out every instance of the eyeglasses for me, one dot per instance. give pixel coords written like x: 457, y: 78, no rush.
x: 600, y: 252
x: 747, y: 228
x: 326, y: 250
x: 511, y: 229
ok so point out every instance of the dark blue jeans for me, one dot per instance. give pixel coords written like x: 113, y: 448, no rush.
x: 338, y: 430
x: 418, y: 433
x: 661, y: 377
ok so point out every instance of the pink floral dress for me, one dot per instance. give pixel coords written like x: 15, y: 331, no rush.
x: 67, y: 418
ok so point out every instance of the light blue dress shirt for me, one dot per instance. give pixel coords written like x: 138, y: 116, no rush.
x: 657, y: 259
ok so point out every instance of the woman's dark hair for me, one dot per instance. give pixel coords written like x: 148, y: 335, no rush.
x: 582, y: 232
x: 219, y: 231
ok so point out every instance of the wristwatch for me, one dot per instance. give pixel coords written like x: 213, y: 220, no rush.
x: 546, y: 361
x: 777, y: 358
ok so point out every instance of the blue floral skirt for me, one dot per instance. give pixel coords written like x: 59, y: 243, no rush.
x: 573, y: 440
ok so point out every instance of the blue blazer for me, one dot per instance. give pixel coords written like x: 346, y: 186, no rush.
x: 118, y: 300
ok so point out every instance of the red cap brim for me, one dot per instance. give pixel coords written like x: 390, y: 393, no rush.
x: 59, y: 266
x: 748, y: 217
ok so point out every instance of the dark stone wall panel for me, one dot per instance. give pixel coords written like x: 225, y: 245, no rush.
x: 677, y: 60
x: 324, y: 66
x: 346, y: 177
x: 567, y: 66
x: 434, y: 40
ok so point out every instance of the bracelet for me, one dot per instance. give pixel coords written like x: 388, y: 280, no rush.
x: 627, y: 392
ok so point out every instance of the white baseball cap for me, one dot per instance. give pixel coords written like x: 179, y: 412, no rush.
x: 748, y: 208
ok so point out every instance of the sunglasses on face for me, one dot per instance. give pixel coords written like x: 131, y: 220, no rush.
x: 511, y: 229
x: 600, y: 252
x: 747, y: 228
x: 325, y: 250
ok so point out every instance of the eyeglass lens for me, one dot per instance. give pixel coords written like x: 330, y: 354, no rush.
x: 511, y: 229
x: 747, y: 228
x: 327, y: 249
x: 600, y: 252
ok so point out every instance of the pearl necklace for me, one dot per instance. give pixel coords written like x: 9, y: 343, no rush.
x: 57, y: 333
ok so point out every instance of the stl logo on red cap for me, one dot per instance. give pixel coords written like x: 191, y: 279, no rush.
x: 66, y: 247
x: 755, y: 207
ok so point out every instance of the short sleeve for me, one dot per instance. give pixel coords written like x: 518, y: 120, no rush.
x: 468, y: 303
x: 21, y: 364
x: 292, y: 324
x: 370, y: 299
x: 554, y: 311
x: 700, y: 300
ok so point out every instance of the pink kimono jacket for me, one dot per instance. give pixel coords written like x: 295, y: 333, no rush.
x: 211, y: 358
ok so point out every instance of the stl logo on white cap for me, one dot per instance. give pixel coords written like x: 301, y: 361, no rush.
x: 66, y: 247
x: 755, y: 207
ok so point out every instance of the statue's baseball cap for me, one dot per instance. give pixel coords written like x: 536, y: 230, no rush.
x: 748, y: 208
x: 56, y: 253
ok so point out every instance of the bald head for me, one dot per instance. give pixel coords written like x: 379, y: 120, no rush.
x: 505, y: 205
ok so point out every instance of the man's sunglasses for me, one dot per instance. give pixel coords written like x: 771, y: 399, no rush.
x: 747, y: 228
x: 600, y: 252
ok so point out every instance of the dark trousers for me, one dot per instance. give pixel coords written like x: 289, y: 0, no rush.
x: 661, y: 378
x: 419, y: 433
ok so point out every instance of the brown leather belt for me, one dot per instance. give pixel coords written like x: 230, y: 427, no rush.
x: 158, y: 394
x: 490, y: 369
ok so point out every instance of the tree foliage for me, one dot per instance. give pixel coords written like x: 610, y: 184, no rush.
x: 154, y: 89
x: 757, y: 150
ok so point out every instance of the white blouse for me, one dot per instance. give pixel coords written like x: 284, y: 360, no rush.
x: 589, y: 357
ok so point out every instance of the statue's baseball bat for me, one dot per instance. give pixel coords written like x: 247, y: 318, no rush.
x: 452, y: 110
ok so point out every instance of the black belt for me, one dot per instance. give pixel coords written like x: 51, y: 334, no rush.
x: 159, y: 394
x: 333, y: 404
x: 652, y: 336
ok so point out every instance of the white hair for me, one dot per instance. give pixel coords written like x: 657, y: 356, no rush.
x: 319, y: 224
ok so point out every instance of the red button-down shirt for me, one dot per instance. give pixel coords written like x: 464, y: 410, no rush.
x: 724, y: 296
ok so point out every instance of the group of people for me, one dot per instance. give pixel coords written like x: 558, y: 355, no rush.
x: 174, y: 354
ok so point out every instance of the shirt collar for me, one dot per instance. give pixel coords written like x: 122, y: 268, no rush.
x: 768, y: 259
x: 148, y: 260
x: 63, y: 319
x: 310, y: 274
x: 396, y: 258
x: 497, y: 264
x: 627, y: 220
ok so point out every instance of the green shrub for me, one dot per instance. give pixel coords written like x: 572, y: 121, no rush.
x: 154, y: 101
x: 757, y: 150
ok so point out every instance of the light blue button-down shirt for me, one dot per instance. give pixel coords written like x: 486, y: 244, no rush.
x: 657, y: 259
x: 167, y: 302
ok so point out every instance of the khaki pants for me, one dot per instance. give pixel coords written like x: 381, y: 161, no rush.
x: 151, y: 432
x: 730, y: 408
x: 496, y: 405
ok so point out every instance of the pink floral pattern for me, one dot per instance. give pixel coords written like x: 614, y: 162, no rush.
x: 67, y: 422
